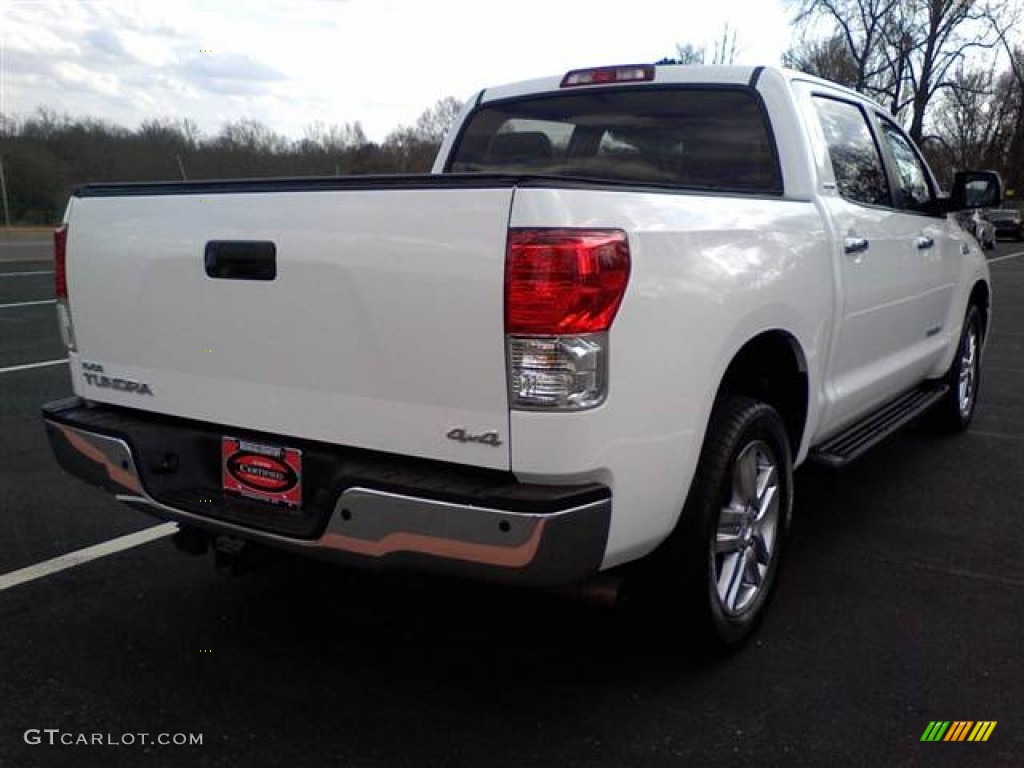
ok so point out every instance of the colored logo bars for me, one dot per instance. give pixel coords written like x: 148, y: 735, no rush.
x: 958, y: 730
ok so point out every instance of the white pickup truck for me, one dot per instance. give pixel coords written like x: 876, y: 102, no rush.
x: 624, y: 305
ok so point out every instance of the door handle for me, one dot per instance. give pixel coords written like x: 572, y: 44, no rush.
x: 855, y: 244
x: 924, y: 242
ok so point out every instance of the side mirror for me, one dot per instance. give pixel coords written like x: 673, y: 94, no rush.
x: 975, y: 189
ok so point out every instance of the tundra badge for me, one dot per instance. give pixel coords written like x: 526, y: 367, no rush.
x: 94, y: 375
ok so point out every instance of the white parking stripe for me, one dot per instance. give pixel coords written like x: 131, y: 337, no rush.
x: 71, y: 559
x: 1004, y: 258
x: 26, y: 274
x: 998, y: 435
x: 28, y: 304
x: 28, y: 244
x: 29, y: 366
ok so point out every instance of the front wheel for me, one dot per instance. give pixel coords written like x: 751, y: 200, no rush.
x: 953, y: 413
x: 721, y: 563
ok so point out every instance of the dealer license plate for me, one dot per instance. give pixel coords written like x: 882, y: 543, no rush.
x: 265, y: 472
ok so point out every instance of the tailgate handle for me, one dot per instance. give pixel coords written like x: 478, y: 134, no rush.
x: 241, y: 259
x: 855, y: 244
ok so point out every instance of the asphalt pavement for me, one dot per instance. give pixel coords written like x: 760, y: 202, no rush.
x: 900, y: 604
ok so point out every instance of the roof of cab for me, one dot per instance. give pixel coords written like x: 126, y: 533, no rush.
x: 667, y: 74
x: 664, y: 74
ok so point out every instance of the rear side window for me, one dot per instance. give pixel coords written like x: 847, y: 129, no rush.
x: 856, y: 162
x: 915, y: 191
x: 701, y: 138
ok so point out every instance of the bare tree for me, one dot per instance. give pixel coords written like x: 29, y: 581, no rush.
x: 250, y: 136
x: 165, y: 131
x: 905, y: 51
x: 725, y: 50
x: 830, y: 59
x: 9, y: 125
x: 966, y: 121
x: 860, y: 25
x: 1010, y: 91
x: 413, y: 148
x: 334, y: 138
x: 1007, y: 110
x: 435, y: 122
x: 191, y: 131
x: 685, y: 54
x: 937, y: 34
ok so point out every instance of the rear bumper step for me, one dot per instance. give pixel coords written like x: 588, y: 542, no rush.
x: 363, y: 508
x: 857, y: 438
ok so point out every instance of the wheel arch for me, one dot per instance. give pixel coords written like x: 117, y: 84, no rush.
x: 772, y: 367
x: 981, y: 296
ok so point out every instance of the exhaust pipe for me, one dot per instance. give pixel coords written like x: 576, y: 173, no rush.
x: 603, y: 591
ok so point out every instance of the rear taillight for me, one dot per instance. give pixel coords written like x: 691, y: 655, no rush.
x: 60, y: 288
x: 60, y: 256
x: 561, y: 281
x: 563, y: 288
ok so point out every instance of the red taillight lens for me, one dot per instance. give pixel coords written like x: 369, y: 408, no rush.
x: 564, y: 281
x: 60, y: 255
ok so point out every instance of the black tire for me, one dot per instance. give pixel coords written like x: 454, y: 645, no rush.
x: 954, y: 412
x: 719, y: 568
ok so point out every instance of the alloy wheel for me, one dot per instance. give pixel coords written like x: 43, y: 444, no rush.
x: 745, y: 539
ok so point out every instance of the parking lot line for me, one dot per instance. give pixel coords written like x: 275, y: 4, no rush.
x: 1007, y: 256
x: 78, y: 557
x: 997, y: 435
x: 28, y: 304
x: 28, y: 366
x: 27, y: 274
x: 27, y: 244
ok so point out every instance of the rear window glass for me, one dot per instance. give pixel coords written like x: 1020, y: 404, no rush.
x: 715, y: 139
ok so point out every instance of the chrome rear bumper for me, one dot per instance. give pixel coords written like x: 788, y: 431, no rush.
x: 365, y: 525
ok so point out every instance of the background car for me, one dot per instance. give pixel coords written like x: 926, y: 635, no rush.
x: 983, y: 230
x: 1007, y: 223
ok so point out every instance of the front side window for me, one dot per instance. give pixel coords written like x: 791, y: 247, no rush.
x: 856, y: 162
x: 700, y: 138
x: 915, y: 191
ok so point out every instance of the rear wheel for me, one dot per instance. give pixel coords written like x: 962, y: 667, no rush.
x: 954, y: 412
x: 720, y: 565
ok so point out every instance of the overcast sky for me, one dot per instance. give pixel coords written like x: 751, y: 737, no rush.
x: 291, y: 63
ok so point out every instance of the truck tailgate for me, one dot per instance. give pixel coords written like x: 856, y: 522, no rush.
x: 382, y: 328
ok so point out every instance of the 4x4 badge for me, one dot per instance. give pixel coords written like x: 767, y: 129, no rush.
x: 487, y: 438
